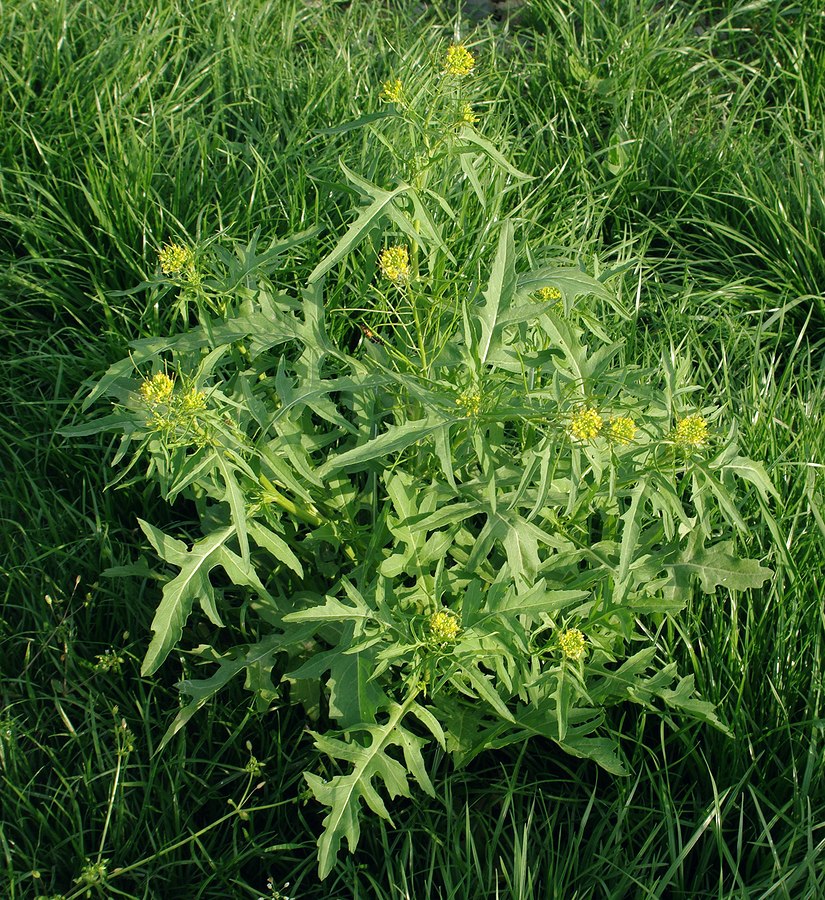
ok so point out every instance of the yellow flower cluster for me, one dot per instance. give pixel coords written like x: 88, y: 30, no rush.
x: 193, y: 402
x: 692, y: 431
x: 392, y: 91
x: 572, y: 644
x: 444, y: 626
x: 157, y: 389
x: 468, y: 117
x: 547, y: 294
x: 395, y: 264
x: 176, y: 415
x: 622, y: 430
x: 586, y: 424
x: 175, y: 260
x: 470, y: 402
x: 459, y: 61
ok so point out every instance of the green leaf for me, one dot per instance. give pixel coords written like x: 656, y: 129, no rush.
x: 344, y: 793
x: 190, y: 584
x: 726, y: 502
x: 630, y: 539
x: 360, y: 122
x: 717, y: 565
x: 468, y: 167
x: 117, y: 421
x: 413, y: 551
x: 393, y: 440
x: 276, y: 545
x: 617, y: 155
x: 353, y: 697
x: 498, y: 293
x: 611, y: 685
x: 683, y: 698
x: 602, y: 751
x: 484, y: 689
x: 195, y: 466
x: 755, y: 473
x: 569, y: 280
x: 241, y: 572
x: 449, y: 514
x: 117, y: 379
x: 334, y: 610
x: 535, y: 601
x: 471, y: 136
x: 562, y: 697
x: 201, y: 690
x: 424, y: 230
x: 234, y: 497
x: 248, y: 262
x: 381, y: 205
x: 430, y: 722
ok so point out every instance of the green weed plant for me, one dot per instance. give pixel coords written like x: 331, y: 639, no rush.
x: 436, y: 504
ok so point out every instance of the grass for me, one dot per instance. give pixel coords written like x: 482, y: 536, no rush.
x: 682, y: 143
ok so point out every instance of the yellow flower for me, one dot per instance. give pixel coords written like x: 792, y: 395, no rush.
x: 548, y: 293
x: 193, y: 402
x: 157, y: 389
x: 470, y: 401
x: 392, y: 91
x: 572, y: 643
x: 459, y: 61
x: 468, y: 117
x: 692, y: 431
x: 444, y: 626
x: 622, y: 430
x: 395, y: 264
x: 175, y: 259
x: 586, y: 424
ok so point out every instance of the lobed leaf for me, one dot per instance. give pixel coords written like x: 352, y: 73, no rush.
x: 715, y: 566
x: 343, y: 794
x: 190, y: 584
